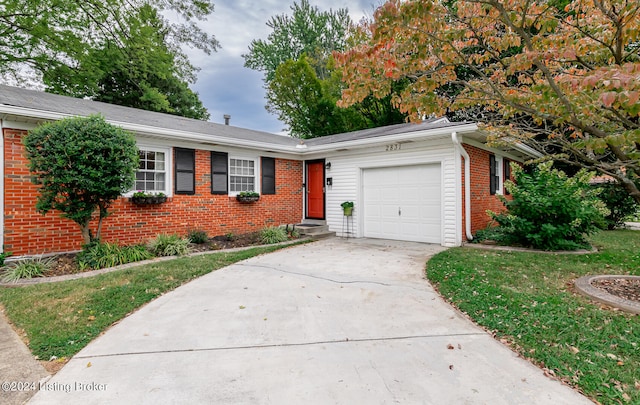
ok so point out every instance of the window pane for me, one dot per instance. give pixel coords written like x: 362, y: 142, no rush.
x: 150, y: 176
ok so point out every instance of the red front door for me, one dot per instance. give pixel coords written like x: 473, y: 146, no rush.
x: 315, y: 190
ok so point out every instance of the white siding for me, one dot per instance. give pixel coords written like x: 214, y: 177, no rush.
x: 347, y: 174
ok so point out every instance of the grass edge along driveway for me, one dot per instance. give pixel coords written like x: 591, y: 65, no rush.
x: 60, y: 319
x: 527, y: 300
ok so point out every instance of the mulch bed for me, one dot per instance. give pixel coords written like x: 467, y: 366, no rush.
x: 624, y: 288
x: 66, y: 263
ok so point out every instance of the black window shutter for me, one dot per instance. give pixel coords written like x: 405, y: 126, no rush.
x: 507, y: 172
x: 268, y: 171
x: 219, y: 173
x: 185, y: 171
x: 492, y: 175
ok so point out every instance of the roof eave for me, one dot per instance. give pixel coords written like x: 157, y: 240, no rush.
x: 155, y: 132
x: 389, y: 139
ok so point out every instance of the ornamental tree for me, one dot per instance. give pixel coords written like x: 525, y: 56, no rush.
x: 81, y: 165
x: 564, y: 80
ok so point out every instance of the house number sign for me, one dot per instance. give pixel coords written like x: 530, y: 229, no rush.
x: 392, y: 147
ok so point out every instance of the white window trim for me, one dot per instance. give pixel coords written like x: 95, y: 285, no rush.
x: 256, y: 173
x: 168, y: 165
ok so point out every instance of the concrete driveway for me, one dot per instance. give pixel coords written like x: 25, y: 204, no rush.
x: 332, y: 322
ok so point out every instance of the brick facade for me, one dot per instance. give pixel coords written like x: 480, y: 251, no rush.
x: 28, y: 232
x: 481, y: 198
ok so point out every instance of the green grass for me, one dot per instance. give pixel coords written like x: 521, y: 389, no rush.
x: 528, y: 300
x: 60, y: 319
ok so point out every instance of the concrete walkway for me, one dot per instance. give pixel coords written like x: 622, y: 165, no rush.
x: 18, y: 368
x: 331, y: 322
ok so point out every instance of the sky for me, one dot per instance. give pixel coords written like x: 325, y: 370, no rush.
x: 224, y: 85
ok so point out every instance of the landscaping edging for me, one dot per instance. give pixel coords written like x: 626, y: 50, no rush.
x: 584, y: 287
x: 92, y: 273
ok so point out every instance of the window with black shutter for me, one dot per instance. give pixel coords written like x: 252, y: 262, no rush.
x: 219, y: 173
x: 268, y: 171
x: 507, y: 172
x: 185, y: 171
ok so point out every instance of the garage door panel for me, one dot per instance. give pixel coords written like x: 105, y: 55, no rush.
x: 403, y: 203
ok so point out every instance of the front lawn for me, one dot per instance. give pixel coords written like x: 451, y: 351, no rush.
x: 528, y: 300
x: 59, y: 319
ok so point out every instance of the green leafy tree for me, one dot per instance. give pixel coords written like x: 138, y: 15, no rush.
x: 301, y: 80
x: 101, y: 49
x: 562, y: 80
x: 308, y: 105
x: 618, y: 201
x: 307, y: 31
x: 142, y: 72
x: 81, y: 165
x: 549, y: 210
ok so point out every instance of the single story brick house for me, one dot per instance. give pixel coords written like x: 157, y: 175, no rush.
x: 430, y: 182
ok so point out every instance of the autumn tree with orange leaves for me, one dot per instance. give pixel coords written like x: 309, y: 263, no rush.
x: 564, y: 80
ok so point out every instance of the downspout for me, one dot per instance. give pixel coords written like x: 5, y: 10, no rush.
x: 467, y: 185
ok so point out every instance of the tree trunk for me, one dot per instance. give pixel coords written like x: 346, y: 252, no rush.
x: 632, y: 188
x: 86, y: 233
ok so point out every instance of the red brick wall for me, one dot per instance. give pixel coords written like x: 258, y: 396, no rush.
x: 481, y: 198
x: 28, y: 232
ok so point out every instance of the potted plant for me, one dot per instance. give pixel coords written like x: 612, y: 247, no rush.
x: 347, y: 208
x: 143, y: 198
x: 247, y: 196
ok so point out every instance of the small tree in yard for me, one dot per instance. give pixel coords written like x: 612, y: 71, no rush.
x: 549, y: 210
x: 81, y: 165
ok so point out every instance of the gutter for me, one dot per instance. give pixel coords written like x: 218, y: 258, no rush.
x: 467, y: 185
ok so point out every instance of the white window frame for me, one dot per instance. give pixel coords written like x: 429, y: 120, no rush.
x: 168, y: 161
x: 256, y: 173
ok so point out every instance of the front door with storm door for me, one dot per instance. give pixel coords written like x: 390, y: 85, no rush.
x: 315, y: 189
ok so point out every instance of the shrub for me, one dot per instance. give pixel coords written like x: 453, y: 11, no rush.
x: 618, y: 201
x: 101, y: 255
x: 28, y: 268
x: 169, y: 245
x: 81, y: 165
x: 273, y: 234
x: 549, y: 210
x: 198, y: 236
x: 3, y: 257
x: 494, y: 233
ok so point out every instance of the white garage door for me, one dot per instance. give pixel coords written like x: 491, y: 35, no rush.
x: 403, y: 203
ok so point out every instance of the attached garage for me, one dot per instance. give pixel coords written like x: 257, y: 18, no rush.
x: 403, y: 203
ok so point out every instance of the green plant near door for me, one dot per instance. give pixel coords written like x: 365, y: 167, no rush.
x: 347, y: 208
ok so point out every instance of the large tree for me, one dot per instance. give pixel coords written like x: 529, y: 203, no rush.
x: 301, y: 81
x: 307, y: 31
x: 82, y: 165
x: 71, y: 43
x: 141, y: 71
x: 565, y: 81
